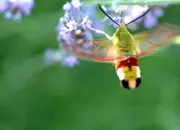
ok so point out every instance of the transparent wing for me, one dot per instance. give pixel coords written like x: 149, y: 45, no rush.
x: 105, y: 49
x: 100, y: 51
x: 150, y: 41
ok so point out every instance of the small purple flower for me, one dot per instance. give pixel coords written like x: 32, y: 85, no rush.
x: 15, y: 9
x: 53, y: 56
x: 150, y: 21
x: 59, y: 56
x: 158, y: 12
x: 70, y: 61
x: 67, y: 7
x: 76, y: 3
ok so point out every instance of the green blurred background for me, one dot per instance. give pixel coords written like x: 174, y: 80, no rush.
x: 34, y: 96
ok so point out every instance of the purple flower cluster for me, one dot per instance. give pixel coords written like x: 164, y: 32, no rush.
x: 130, y: 12
x: 15, y: 9
x: 73, y: 32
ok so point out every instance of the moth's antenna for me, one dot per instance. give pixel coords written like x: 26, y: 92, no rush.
x: 140, y: 16
x: 107, y: 14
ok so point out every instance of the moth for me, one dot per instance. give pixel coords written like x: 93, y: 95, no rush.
x: 124, y: 49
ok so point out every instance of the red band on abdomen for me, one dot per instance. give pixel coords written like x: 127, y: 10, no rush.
x: 130, y: 61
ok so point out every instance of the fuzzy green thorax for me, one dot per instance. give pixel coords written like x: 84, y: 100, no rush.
x: 122, y: 37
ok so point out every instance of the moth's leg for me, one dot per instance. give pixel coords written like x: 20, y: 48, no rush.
x: 101, y: 32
